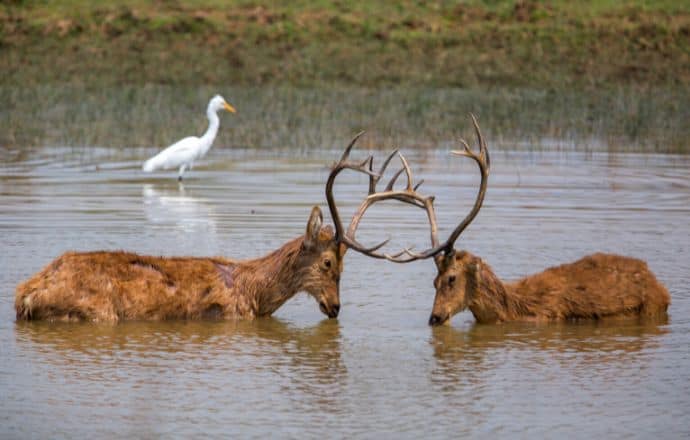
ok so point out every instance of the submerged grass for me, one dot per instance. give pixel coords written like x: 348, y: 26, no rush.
x: 624, y: 119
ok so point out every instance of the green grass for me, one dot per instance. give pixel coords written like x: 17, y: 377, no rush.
x: 446, y: 43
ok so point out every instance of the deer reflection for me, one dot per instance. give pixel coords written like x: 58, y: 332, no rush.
x: 463, y: 357
x: 310, y: 357
x: 172, y: 204
x: 304, y: 360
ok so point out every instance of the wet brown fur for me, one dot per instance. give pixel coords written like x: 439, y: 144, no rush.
x: 596, y: 286
x: 114, y: 286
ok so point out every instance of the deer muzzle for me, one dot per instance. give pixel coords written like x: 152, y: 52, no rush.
x: 436, y: 319
x: 330, y: 311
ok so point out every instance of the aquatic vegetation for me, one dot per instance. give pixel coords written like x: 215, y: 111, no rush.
x: 622, y: 119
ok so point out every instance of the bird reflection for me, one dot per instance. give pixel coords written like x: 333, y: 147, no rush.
x: 173, y: 205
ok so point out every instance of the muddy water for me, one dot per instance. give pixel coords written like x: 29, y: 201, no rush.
x: 378, y: 368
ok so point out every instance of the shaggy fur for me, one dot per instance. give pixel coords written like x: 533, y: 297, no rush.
x: 114, y: 286
x: 596, y: 286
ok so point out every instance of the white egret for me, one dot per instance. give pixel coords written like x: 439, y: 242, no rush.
x: 184, y: 152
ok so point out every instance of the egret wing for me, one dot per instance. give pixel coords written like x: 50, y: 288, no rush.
x: 181, y: 152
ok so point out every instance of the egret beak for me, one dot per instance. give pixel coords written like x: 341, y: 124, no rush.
x: 229, y: 108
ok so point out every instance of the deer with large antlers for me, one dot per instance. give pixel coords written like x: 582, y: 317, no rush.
x: 596, y: 286
x: 115, y: 286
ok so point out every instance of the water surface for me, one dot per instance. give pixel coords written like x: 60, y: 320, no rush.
x: 378, y: 368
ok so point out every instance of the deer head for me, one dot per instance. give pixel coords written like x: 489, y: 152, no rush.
x: 458, y: 272
x: 458, y: 278
x: 322, y: 260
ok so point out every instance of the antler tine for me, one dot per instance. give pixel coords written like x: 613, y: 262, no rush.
x: 395, y: 258
x: 483, y: 150
x: 467, y: 152
x: 365, y: 167
x: 407, y: 195
x: 339, y: 166
x: 388, y: 161
x: 418, y: 185
x: 368, y: 168
x: 370, y: 251
x: 346, y: 153
x: 374, y: 179
x: 483, y: 160
x: 394, y: 179
x: 406, y: 166
x: 413, y: 256
x: 406, y: 251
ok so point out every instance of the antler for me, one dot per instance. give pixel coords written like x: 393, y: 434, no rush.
x: 365, y: 167
x: 411, y: 196
x: 484, y: 162
x: 408, y: 195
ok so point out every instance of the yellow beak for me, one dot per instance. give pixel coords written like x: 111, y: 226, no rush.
x: 229, y: 108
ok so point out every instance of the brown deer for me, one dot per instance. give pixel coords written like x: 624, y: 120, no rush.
x: 114, y: 286
x: 596, y: 286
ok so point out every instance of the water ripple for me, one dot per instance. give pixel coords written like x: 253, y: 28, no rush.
x: 379, y: 369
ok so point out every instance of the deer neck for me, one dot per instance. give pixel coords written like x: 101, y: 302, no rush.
x: 273, y: 279
x: 493, y: 301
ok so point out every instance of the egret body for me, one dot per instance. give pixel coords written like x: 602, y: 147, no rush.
x: 184, y: 152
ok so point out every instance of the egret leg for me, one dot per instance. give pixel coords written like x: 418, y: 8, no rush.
x: 181, y: 172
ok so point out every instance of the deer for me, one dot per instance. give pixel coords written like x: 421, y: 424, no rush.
x: 113, y: 286
x: 594, y: 287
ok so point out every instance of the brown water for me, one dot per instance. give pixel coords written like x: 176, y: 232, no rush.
x: 377, y: 369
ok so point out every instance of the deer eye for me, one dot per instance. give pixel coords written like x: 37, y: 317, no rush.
x: 451, y: 280
x: 327, y: 263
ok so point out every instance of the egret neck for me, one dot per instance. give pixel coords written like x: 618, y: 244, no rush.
x: 211, y: 131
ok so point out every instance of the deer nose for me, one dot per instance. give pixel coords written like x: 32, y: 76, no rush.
x: 436, y: 319
x: 331, y: 312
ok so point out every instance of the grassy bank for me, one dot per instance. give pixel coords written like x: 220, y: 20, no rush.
x: 612, y: 74
x: 290, y: 117
x: 474, y: 43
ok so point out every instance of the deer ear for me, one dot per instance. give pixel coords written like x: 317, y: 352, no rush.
x: 311, y: 237
x: 474, y: 269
